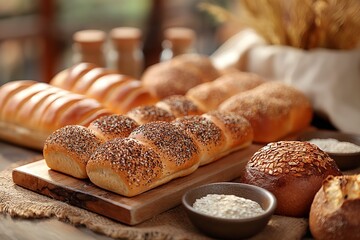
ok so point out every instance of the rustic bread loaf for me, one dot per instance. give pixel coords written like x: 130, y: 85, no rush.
x: 335, y: 210
x: 274, y: 110
x: 293, y: 171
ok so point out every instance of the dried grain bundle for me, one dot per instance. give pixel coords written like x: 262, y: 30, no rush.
x: 305, y: 24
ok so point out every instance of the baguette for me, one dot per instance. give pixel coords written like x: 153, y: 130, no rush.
x: 274, y: 110
x: 117, y: 92
x: 30, y: 111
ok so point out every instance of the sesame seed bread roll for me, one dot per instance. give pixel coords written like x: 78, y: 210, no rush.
x: 179, y: 153
x: 179, y: 106
x: 216, y: 134
x: 274, y: 110
x: 117, y: 92
x: 237, y: 130
x: 335, y: 210
x: 293, y: 171
x: 30, y: 111
x: 126, y: 166
x: 208, y: 96
x: 69, y: 148
x: 151, y: 113
x: 113, y: 126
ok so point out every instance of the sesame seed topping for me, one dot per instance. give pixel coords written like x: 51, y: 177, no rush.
x: 150, y: 113
x: 75, y: 139
x: 204, y: 131
x: 170, y: 140
x: 237, y: 125
x: 180, y: 105
x: 139, y: 164
x: 114, y: 125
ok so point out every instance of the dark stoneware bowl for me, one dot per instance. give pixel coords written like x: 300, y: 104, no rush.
x: 225, y: 228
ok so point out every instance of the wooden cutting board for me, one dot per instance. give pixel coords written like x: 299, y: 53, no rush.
x: 38, y: 177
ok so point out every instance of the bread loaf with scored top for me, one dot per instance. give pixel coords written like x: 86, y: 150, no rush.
x: 117, y: 92
x: 30, y: 111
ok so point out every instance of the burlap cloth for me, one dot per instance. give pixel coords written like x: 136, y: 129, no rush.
x: 172, y: 224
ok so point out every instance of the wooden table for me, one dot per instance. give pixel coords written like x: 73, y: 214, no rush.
x: 11, y: 228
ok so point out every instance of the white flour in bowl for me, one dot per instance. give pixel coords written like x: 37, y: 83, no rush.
x: 332, y: 145
x: 227, y: 206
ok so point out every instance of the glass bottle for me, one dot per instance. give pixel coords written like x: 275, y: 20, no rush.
x: 127, y: 56
x: 177, y: 40
x: 88, y: 47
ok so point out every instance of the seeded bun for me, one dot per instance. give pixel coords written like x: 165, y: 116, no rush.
x: 69, y: 148
x: 335, y: 210
x: 113, y: 126
x: 293, y: 171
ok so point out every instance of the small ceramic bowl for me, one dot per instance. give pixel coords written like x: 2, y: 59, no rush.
x: 345, y: 161
x: 225, y: 228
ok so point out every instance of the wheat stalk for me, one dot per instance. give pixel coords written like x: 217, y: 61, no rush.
x: 303, y: 24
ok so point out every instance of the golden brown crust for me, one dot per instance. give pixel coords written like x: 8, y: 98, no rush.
x: 274, y: 110
x: 179, y: 106
x: 237, y: 129
x: 118, y: 92
x: 69, y: 148
x: 178, y: 151
x: 335, y: 210
x: 33, y: 110
x: 208, y: 136
x: 113, y: 126
x: 178, y: 75
x: 151, y: 113
x: 287, y: 168
x: 208, y: 96
x: 125, y: 166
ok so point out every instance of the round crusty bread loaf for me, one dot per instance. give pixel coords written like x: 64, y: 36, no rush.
x: 293, y: 171
x: 335, y: 210
x: 69, y: 148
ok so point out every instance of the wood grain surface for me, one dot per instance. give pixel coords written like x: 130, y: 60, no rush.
x: 82, y: 193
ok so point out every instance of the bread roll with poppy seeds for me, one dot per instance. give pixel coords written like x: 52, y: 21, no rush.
x: 217, y: 134
x: 69, y: 148
x: 293, y: 171
x: 334, y: 213
x: 113, y: 126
